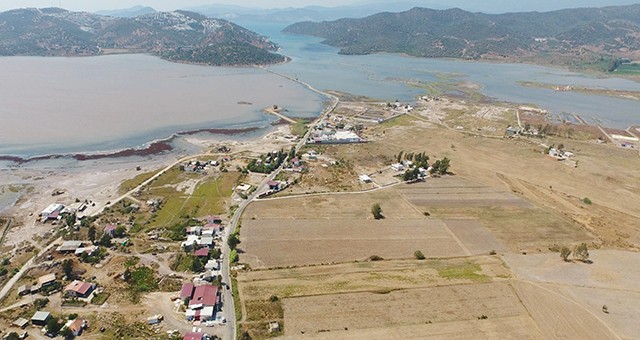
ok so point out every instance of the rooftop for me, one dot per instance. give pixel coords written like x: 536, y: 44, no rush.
x: 204, y: 296
x: 41, y: 316
x: 79, y: 287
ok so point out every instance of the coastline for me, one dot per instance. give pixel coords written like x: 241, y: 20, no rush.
x: 151, y: 148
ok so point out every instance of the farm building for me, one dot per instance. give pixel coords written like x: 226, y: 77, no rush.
x: 79, y: 289
x: 40, y: 318
x: 51, y: 212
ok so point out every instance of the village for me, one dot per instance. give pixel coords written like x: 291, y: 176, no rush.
x: 193, y: 251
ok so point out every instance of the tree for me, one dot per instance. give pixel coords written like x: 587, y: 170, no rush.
x: 581, y: 252
x: 92, y: 233
x: 53, y: 326
x: 120, y: 231
x: 564, y: 253
x: 233, y: 241
x: 13, y: 336
x: 67, y: 267
x: 444, y: 166
x: 105, y: 240
x: 419, y: 255
x: 70, y: 219
x: 376, y: 210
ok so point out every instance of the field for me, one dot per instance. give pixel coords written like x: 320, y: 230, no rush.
x: 503, y: 200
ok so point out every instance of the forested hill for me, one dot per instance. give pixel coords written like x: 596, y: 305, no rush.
x: 177, y: 36
x: 608, y: 31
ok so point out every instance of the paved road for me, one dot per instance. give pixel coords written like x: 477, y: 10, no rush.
x: 228, y: 303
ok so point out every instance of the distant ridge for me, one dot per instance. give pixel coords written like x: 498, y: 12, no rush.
x: 564, y: 36
x: 128, y: 12
x: 177, y: 36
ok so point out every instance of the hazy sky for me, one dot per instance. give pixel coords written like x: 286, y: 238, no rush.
x: 163, y: 5
x: 94, y: 5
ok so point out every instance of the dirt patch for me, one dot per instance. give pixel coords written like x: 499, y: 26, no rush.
x: 279, y: 242
x: 369, y: 310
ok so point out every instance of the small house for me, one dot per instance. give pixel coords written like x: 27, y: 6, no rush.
x: 274, y: 327
x: 52, y: 212
x: 206, y: 241
x: 24, y: 290
x: 79, y: 289
x: 69, y: 246
x: 46, y: 280
x: 193, y: 336
x: 76, y: 326
x: 274, y: 185
x: 186, y: 292
x: 40, y: 318
x: 365, y: 179
x: 21, y: 323
x: 202, y: 252
x: 110, y: 229
x: 397, y: 167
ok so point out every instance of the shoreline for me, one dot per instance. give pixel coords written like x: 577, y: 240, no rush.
x: 150, y: 148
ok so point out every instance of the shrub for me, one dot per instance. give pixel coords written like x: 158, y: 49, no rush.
x: 564, y: 253
x: 375, y: 258
x: 586, y: 201
x: 419, y: 255
x: 376, y: 210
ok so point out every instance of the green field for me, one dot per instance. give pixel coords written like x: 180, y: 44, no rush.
x: 629, y: 69
x: 209, y: 196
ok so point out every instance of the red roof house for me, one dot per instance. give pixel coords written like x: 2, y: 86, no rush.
x: 186, y: 291
x: 202, y: 252
x: 79, y: 289
x: 193, y: 336
x: 203, y: 296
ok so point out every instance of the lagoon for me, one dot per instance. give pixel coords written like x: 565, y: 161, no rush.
x: 70, y: 105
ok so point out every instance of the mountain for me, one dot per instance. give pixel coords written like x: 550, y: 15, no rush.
x: 291, y: 15
x: 128, y: 12
x: 563, y: 34
x: 177, y: 36
x: 362, y: 9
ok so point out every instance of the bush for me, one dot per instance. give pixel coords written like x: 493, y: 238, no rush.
x: 419, y: 255
x: 233, y: 257
x: 564, y: 253
x: 376, y: 210
x: 586, y: 201
x: 581, y: 252
x: 375, y: 258
x: 274, y: 298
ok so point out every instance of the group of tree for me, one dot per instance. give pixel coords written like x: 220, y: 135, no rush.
x: 580, y: 253
x: 420, y: 160
x: 267, y: 163
x: 441, y: 167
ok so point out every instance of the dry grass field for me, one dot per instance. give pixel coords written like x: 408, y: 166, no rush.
x: 279, y: 242
x: 505, y: 196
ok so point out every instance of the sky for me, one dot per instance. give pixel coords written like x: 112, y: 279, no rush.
x: 164, y: 5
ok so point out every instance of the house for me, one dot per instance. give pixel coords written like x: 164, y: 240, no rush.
x: 397, y: 167
x: 204, y: 296
x: 76, y: 326
x: 79, y: 289
x: 295, y: 161
x: 40, y: 318
x: 186, y: 292
x: 212, y: 265
x: 110, y: 229
x: 191, y: 240
x: 69, y: 246
x: 365, y: 179
x: 196, y: 230
x: 206, y: 241
x: 274, y: 327
x: 274, y: 185
x: 202, y: 252
x: 51, y: 212
x: 243, y: 188
x: 24, y: 290
x: 46, y: 280
x: 193, y: 336
x: 21, y: 323
x: 89, y: 250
